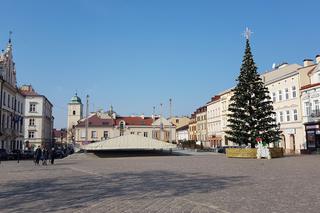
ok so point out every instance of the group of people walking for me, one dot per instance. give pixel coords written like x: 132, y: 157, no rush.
x: 44, y: 154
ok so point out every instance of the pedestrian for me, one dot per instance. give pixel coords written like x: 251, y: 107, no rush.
x: 18, y: 156
x: 44, y: 156
x: 52, y: 155
x: 38, y: 155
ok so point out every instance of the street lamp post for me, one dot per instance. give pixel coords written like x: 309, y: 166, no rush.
x: 278, y: 129
x: 170, y: 137
x: 87, y: 120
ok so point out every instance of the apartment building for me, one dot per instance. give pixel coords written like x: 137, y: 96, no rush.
x: 11, y: 104
x: 38, y: 118
x: 310, y: 98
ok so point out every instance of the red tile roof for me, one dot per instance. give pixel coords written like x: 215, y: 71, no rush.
x: 97, y: 121
x: 135, y: 121
x: 28, y: 92
x: 215, y: 98
x: 310, y: 86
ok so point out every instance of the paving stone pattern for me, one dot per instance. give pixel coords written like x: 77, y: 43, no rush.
x: 197, y: 183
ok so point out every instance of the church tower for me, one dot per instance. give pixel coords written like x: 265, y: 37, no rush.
x: 75, y: 111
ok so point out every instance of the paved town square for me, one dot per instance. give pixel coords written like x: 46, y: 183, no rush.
x: 195, y: 183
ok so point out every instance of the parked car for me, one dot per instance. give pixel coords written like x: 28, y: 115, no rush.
x: 3, y: 154
x: 13, y: 155
x: 59, y: 153
x: 28, y: 154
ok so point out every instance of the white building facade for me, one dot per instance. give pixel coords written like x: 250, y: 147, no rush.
x: 182, y: 133
x: 38, y: 118
x: 214, y: 119
x: 11, y: 104
x: 283, y: 84
x: 310, y: 100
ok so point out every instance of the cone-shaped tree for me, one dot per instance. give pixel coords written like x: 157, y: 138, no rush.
x: 251, y: 111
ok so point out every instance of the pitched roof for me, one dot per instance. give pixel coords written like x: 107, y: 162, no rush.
x: 135, y: 121
x: 310, y: 86
x: 28, y: 92
x: 185, y: 127
x: 95, y: 120
x: 130, y: 142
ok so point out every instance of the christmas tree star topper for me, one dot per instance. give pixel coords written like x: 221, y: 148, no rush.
x: 247, y: 33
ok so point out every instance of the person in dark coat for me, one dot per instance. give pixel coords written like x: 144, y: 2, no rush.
x: 38, y: 155
x: 45, y: 154
x: 18, y: 155
x: 52, y: 155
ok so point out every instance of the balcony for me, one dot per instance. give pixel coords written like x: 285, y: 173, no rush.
x: 314, y: 116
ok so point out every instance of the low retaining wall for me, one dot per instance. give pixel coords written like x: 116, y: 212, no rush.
x: 276, y: 152
x: 241, y: 152
x: 251, y: 152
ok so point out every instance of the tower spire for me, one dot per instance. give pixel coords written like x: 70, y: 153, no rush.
x: 10, y: 36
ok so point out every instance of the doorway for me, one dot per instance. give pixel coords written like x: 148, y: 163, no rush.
x: 293, y: 143
x: 283, y: 142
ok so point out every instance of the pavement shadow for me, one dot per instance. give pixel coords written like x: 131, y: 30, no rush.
x: 136, y: 153
x: 76, y: 192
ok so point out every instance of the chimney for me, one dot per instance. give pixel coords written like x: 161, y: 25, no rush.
x: 318, y: 59
x: 307, y: 62
x: 142, y: 116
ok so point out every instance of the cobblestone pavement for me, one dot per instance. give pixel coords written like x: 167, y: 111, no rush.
x: 200, y: 183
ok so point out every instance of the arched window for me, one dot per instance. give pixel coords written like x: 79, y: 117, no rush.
x: 73, y: 112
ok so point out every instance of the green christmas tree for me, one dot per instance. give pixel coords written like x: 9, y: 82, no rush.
x: 251, y: 111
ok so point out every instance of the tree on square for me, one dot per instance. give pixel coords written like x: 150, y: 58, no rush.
x: 251, y: 112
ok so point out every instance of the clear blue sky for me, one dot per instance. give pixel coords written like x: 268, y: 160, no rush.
x: 136, y: 54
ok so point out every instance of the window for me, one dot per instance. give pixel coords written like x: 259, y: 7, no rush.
x: 132, y: 133
x: 21, y: 106
x: 295, y: 114
x: 8, y: 121
x: 4, y: 98
x: 308, y: 108
x: 106, y: 134
x: 32, y: 107
x: 274, y: 97
x: 73, y: 112
x: 93, y: 134
x: 3, y: 120
x: 8, y: 100
x: 275, y: 116
x: 224, y: 105
x: 177, y: 121
x: 288, y: 115
x: 31, y: 134
x: 31, y: 122
x: 294, y: 92
x: 121, y: 133
x: 287, y: 93
x: 280, y: 95
x: 145, y: 134
x: 83, y: 133
x: 281, y: 116
x: 316, y: 106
